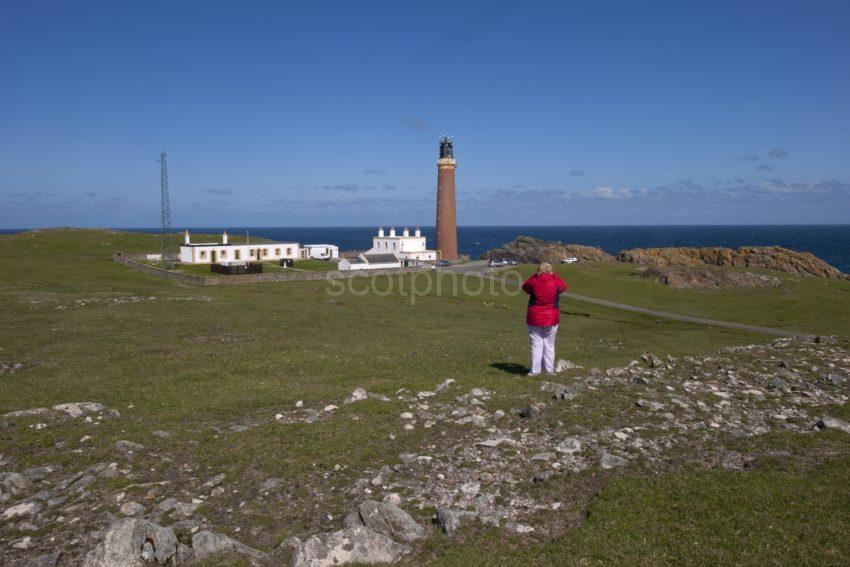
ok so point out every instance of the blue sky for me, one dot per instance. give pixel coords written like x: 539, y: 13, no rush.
x: 328, y: 113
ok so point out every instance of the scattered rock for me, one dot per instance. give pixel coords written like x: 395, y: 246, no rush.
x: 79, y: 409
x: 563, y: 365
x: 357, y: 395
x: 495, y: 443
x: 654, y: 406
x: 131, y: 508
x: 128, y: 446
x: 529, y: 411
x: 271, y: 485
x: 543, y: 476
x: 449, y: 520
x: 609, y: 461
x: 214, y: 481
x: 32, y: 412
x: 13, y: 483
x: 519, y: 528
x: 827, y: 422
x: 23, y: 509
x: 570, y: 446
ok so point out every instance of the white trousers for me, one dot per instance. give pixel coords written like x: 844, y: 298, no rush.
x: 542, y: 348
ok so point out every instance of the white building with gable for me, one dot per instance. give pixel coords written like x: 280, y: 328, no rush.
x: 392, y: 251
x: 411, y: 250
x: 223, y: 252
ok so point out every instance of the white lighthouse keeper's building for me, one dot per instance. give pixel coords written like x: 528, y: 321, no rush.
x: 411, y: 250
x: 217, y: 253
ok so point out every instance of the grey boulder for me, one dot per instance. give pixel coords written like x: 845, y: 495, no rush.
x: 349, y: 545
x: 129, y: 542
x: 388, y: 519
x: 449, y: 519
x: 207, y: 543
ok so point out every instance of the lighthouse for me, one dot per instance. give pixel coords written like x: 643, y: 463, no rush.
x: 446, y: 205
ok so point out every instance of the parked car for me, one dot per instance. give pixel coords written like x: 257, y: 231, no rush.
x: 494, y: 263
x: 571, y: 260
x: 444, y: 263
x: 513, y: 262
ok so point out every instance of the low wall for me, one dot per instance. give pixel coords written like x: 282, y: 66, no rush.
x: 131, y: 262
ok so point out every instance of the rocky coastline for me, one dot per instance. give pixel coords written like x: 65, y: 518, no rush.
x: 526, y: 249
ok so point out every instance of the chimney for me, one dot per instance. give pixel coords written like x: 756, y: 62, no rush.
x: 380, y: 231
x: 224, y: 237
x: 392, y: 231
x: 405, y: 233
x: 417, y: 232
x: 186, y: 238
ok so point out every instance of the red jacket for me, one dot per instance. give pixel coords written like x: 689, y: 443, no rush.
x: 545, y: 291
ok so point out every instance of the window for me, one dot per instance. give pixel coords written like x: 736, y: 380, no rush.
x: 223, y: 254
x: 289, y: 251
x: 277, y: 252
x: 203, y: 255
x: 236, y: 254
x: 265, y: 252
x: 251, y: 252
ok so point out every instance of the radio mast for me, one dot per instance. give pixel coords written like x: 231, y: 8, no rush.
x: 166, y: 246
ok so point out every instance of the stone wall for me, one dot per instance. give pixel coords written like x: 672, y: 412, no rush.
x: 131, y: 261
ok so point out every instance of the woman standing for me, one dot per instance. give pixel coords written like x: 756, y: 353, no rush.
x: 543, y: 316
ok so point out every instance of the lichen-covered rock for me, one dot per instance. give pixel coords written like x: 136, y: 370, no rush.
x: 347, y: 546
x: 206, y: 543
x: 767, y: 257
x: 388, y: 519
x: 529, y: 250
x: 129, y: 542
x: 449, y: 520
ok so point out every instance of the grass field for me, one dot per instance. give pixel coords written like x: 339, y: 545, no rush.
x: 195, y: 361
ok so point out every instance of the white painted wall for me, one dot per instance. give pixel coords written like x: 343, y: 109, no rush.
x: 239, y: 252
x: 320, y: 251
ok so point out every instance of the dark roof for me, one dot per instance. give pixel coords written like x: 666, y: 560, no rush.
x: 380, y: 258
x: 355, y: 260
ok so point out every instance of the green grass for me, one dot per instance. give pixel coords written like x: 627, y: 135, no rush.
x: 182, y: 358
x: 312, y: 265
x: 813, y: 305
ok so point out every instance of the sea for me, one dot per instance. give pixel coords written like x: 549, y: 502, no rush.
x: 828, y: 242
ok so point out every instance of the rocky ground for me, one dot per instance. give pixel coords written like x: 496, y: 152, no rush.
x: 524, y: 464
x: 679, y: 277
x: 530, y: 250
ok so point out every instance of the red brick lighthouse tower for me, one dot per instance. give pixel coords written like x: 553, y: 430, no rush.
x: 446, y: 206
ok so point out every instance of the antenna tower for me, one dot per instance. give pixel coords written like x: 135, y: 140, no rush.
x: 166, y: 246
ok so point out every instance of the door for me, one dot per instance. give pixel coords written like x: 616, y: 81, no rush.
x: 212, y: 257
